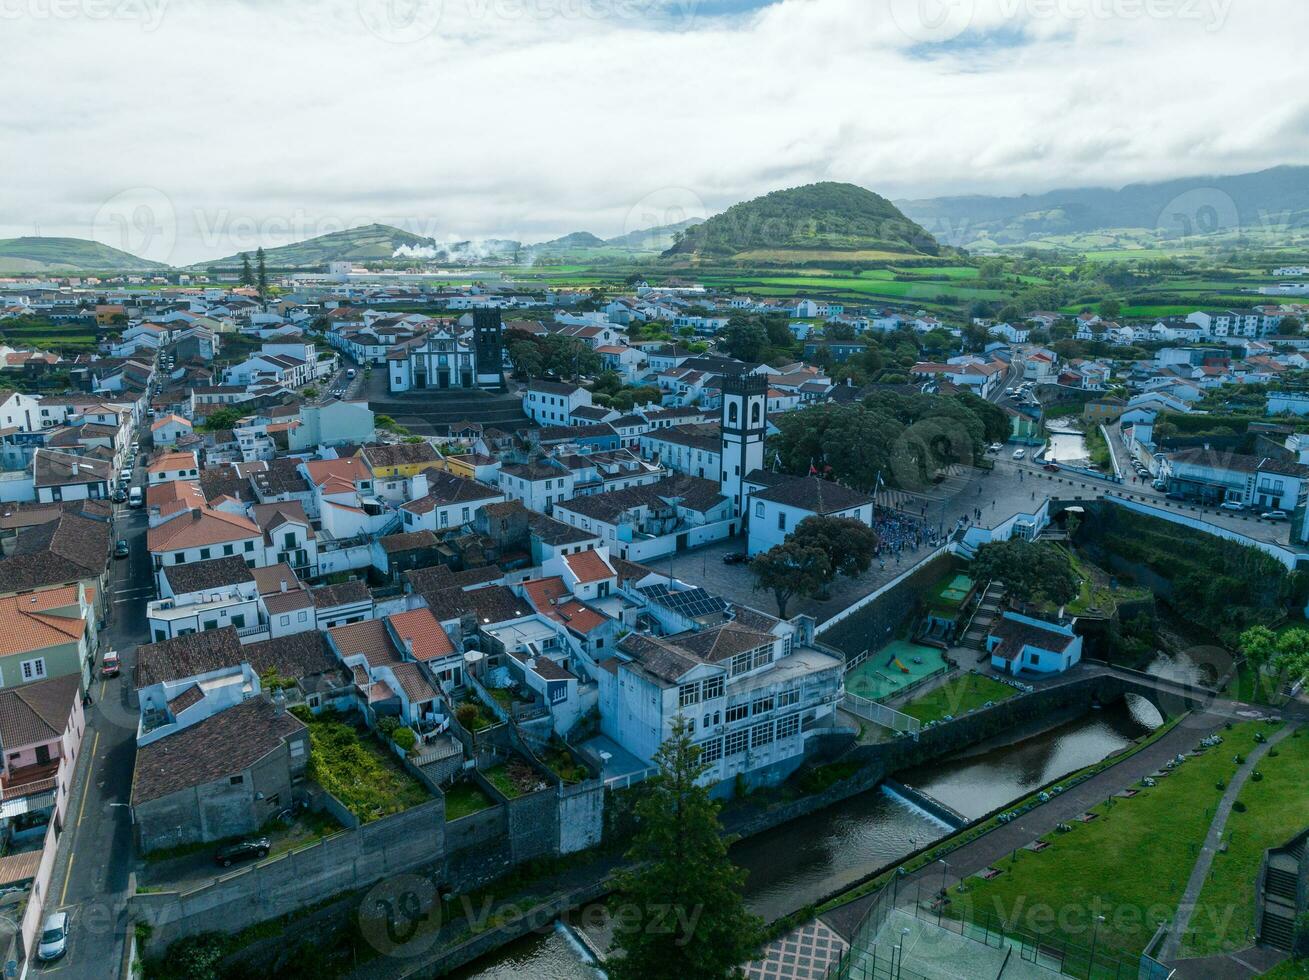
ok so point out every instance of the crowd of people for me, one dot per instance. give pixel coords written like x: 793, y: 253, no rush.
x: 898, y: 532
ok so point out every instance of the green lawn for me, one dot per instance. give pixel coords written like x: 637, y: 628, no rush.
x: 1277, y: 808
x: 462, y: 799
x: 1255, y: 687
x: 1288, y: 970
x: 514, y: 777
x: 956, y: 696
x: 355, y: 768
x: 1130, y: 865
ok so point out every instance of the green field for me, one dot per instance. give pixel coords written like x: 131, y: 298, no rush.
x: 1276, y: 809
x: 958, y: 696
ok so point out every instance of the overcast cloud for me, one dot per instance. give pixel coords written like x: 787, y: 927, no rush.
x: 185, y: 130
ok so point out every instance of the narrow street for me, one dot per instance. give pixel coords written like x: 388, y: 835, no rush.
x: 95, y: 852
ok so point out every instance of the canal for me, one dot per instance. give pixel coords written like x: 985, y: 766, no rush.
x: 808, y: 860
x: 1067, y: 444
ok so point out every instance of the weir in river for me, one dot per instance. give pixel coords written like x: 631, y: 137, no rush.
x: 809, y: 860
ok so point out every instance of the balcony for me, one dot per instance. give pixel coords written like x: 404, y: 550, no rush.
x: 33, y: 780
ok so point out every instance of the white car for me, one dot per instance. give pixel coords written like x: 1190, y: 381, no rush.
x: 1274, y: 515
x: 54, y: 937
x: 1020, y: 453
x: 1231, y: 505
x: 995, y: 447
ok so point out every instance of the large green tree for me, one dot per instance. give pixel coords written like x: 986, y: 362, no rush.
x: 848, y: 544
x: 247, y: 274
x: 790, y: 569
x: 682, y: 916
x: 744, y: 338
x: 261, y: 273
x: 1035, y: 572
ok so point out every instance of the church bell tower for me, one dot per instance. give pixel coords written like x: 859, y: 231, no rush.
x: 744, y: 425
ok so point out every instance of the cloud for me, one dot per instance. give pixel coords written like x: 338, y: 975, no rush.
x: 526, y: 119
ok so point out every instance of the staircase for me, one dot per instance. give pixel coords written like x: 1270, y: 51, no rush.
x: 988, y: 608
x: 437, y: 410
x: 1281, y: 891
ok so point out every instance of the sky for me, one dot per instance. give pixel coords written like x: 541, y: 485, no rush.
x: 183, y: 130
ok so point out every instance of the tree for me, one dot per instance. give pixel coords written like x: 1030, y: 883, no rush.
x: 790, y: 569
x: 223, y: 418
x: 1290, y: 326
x: 745, y: 339
x: 1033, y: 572
x: 687, y: 920
x: 1109, y: 308
x: 247, y: 276
x: 847, y: 543
x: 261, y: 273
x: 1259, y: 644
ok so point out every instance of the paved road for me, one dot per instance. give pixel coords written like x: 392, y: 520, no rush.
x: 95, y: 852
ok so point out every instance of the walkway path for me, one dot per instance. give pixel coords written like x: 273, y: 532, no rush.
x: 1186, y: 907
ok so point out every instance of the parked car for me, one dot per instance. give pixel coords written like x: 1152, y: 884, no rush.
x: 1231, y: 505
x: 54, y: 937
x: 121, y: 548
x: 1020, y: 453
x: 1174, y: 495
x: 110, y: 664
x: 735, y: 558
x: 1051, y: 467
x: 1159, y: 485
x: 254, y: 847
x: 135, y: 498
x: 1274, y: 515
x: 119, y: 495
x: 995, y: 447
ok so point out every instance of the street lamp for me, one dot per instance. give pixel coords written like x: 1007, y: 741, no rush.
x: 1095, y: 932
x: 944, y: 868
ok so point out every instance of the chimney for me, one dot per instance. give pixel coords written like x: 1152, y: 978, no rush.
x: 279, y: 703
x: 283, y: 585
x: 409, y: 647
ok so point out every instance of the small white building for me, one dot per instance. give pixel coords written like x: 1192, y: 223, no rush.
x: 1020, y: 643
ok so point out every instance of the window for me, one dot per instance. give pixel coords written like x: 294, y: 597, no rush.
x: 736, y: 743
x: 736, y: 712
x: 286, y: 620
x: 758, y: 508
x: 712, y: 750
x: 235, y: 780
x: 228, y: 549
x: 713, y: 688
x: 740, y: 663
x: 690, y: 726
x: 688, y: 694
x: 762, y: 658
x: 249, y: 546
x: 761, y: 705
x: 210, y: 624
x: 781, y: 521
x: 705, y: 722
x: 33, y: 670
x: 238, y: 620
x: 204, y: 554
x: 761, y: 734
x: 788, y: 726
x: 788, y: 698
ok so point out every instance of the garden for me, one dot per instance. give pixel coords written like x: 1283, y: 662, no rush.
x: 464, y: 799
x: 356, y: 768
x: 515, y: 777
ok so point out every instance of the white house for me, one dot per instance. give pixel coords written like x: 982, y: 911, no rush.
x: 778, y: 504
x: 1020, y: 643
x: 553, y: 402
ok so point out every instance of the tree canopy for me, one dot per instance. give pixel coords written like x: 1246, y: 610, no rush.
x: 683, y: 915
x: 1033, y: 572
x: 847, y: 543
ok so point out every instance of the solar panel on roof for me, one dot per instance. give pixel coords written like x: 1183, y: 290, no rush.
x: 691, y: 603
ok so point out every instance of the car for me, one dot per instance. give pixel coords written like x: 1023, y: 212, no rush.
x: 1051, y: 467
x: 995, y: 447
x: 1274, y: 515
x: 119, y: 495
x: 1174, y: 495
x: 135, y: 498
x: 1020, y: 453
x: 735, y: 558
x: 54, y: 937
x: 125, y: 476
x: 350, y: 373
x: 1231, y: 505
x: 110, y: 664
x: 253, y: 847
x: 1159, y: 485
x: 122, y: 549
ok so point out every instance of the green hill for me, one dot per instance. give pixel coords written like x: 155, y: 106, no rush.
x: 827, y: 221
x: 367, y: 243
x: 29, y: 254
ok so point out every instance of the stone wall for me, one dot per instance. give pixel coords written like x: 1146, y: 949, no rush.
x: 876, y: 623
x: 534, y: 824
x: 285, y: 884
x: 581, y: 816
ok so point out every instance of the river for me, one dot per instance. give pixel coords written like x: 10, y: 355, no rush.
x: 1067, y: 444
x: 808, y: 860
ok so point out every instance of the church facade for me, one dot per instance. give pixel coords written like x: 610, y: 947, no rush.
x: 451, y: 357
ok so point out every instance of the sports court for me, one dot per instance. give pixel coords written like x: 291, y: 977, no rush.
x: 893, y: 668
x: 953, y: 591
x: 911, y: 948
